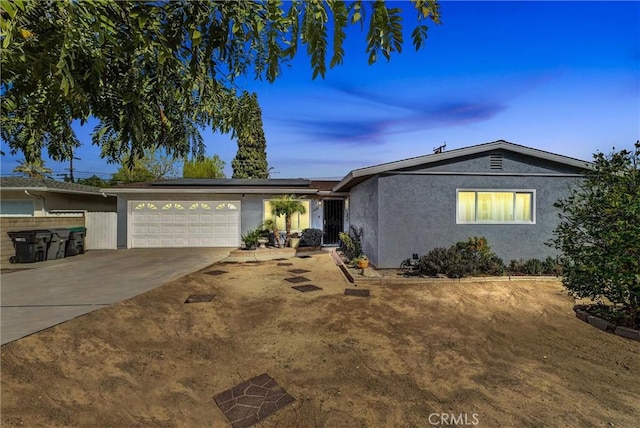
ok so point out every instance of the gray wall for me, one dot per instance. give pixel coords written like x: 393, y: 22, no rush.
x: 48, y: 201
x: 418, y: 213
x: 363, y: 212
x: 511, y: 163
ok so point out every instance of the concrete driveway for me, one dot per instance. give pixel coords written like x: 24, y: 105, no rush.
x: 58, y: 290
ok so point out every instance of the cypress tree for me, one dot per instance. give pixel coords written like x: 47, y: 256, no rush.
x: 251, y: 158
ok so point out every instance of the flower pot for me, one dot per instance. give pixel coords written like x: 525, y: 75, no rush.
x: 263, y: 242
x: 362, y: 264
x: 294, y: 242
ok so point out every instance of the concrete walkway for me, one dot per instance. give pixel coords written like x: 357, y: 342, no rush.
x: 55, y: 291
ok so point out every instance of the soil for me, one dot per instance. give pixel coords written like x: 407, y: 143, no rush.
x: 512, y: 353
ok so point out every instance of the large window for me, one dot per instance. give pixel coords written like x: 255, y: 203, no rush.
x: 499, y: 206
x: 16, y: 208
x: 299, y: 221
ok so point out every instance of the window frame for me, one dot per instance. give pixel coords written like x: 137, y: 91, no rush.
x: 532, y: 192
x: 265, y: 212
x: 25, y: 201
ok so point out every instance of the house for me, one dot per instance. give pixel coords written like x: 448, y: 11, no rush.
x: 500, y: 190
x: 32, y: 203
x: 216, y: 212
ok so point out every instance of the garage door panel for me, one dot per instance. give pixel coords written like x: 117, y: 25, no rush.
x: 185, y: 224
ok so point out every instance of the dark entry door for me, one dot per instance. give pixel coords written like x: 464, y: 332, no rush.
x: 333, y: 220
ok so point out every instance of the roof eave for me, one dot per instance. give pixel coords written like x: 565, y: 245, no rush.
x: 54, y: 190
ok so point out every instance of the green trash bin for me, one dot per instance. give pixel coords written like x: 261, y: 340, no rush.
x: 75, y: 244
x: 58, y: 243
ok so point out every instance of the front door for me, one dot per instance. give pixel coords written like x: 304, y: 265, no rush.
x: 333, y: 220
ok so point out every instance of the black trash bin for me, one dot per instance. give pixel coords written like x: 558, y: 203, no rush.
x: 58, y: 244
x: 75, y: 244
x: 30, y: 245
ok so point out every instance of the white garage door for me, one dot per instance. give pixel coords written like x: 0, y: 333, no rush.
x: 159, y: 224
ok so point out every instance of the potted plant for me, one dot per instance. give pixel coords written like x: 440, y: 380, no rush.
x: 294, y: 241
x: 361, y: 261
x: 250, y: 239
x: 269, y: 227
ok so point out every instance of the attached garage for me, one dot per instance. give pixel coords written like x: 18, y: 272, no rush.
x: 162, y: 224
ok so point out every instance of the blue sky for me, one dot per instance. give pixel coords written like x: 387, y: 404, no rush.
x: 557, y: 76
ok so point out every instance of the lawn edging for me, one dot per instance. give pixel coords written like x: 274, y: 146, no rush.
x: 606, y: 326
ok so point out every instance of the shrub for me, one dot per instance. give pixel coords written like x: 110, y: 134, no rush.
x: 311, y: 238
x: 351, y: 243
x: 471, y: 257
x: 552, y: 266
x: 516, y: 267
x: 534, y: 267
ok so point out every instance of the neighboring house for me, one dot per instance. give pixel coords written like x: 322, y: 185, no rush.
x: 216, y: 212
x: 502, y: 191
x: 32, y: 203
x: 29, y: 197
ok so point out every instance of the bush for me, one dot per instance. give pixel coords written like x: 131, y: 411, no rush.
x: 552, y: 266
x: 311, y: 238
x: 533, y: 267
x: 465, y: 258
x: 351, y: 243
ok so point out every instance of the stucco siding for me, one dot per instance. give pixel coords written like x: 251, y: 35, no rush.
x: 363, y: 213
x: 514, y: 163
x: 418, y: 213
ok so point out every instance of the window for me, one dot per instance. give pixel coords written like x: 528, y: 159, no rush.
x: 500, y: 206
x: 298, y: 221
x: 16, y: 208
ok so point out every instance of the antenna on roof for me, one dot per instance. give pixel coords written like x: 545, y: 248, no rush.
x: 440, y: 149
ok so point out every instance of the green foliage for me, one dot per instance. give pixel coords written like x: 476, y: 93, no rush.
x: 287, y: 205
x: 154, y: 165
x: 599, y: 232
x: 311, y: 238
x: 33, y: 168
x: 251, y: 158
x: 250, y: 238
x: 465, y: 258
x: 212, y: 167
x: 154, y: 73
x: 351, y: 243
x: 94, y: 181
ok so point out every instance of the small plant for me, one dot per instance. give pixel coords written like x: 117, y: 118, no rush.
x: 533, y: 267
x: 552, y: 266
x: 361, y: 261
x: 311, y: 238
x: 250, y: 238
x: 351, y: 243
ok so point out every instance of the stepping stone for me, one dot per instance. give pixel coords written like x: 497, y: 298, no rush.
x: 280, y: 259
x: 306, y: 287
x: 252, y: 401
x: 253, y: 261
x: 297, y: 279
x: 304, y: 257
x: 356, y: 292
x: 299, y: 271
x: 200, y: 298
x: 229, y: 263
x: 285, y: 264
x: 216, y: 272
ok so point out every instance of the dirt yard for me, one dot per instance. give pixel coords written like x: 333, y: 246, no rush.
x: 512, y: 353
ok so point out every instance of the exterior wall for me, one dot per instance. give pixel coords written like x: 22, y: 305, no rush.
x: 47, y: 201
x: 364, y: 213
x: 418, y: 213
x: 251, y: 210
x: 14, y: 224
x: 512, y: 162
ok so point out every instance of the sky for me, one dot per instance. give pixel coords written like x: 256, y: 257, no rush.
x: 557, y: 76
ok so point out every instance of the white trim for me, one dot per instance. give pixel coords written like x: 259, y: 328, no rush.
x: 491, y: 174
x: 514, y: 191
x: 54, y: 190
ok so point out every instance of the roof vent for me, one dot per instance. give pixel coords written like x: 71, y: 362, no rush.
x: 495, y: 162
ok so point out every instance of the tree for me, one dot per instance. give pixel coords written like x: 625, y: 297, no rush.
x: 33, y: 168
x: 212, y: 167
x: 251, y: 158
x: 154, y: 73
x: 599, y: 233
x: 287, y: 205
x: 94, y: 181
x: 154, y: 165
